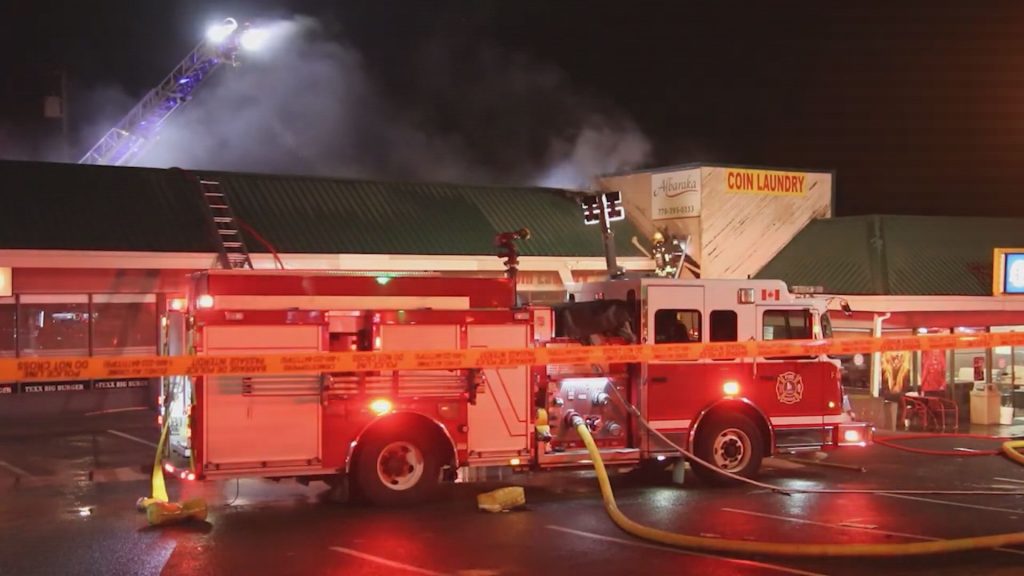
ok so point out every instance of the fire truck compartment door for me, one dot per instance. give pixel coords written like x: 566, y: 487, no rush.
x: 499, y: 421
x: 675, y: 391
x: 262, y: 421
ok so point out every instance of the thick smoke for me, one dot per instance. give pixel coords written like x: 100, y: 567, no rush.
x: 309, y: 104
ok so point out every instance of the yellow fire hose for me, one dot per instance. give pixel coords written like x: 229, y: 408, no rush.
x: 158, y: 488
x: 1012, y: 450
x: 785, y: 548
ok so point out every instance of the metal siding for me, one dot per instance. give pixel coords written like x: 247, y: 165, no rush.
x: 69, y: 206
x: 945, y: 255
x: 66, y: 206
x: 909, y: 255
x: 832, y: 253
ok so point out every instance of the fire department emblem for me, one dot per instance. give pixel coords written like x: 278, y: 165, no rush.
x: 789, y: 387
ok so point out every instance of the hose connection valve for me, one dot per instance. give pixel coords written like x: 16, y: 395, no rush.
x: 573, y: 419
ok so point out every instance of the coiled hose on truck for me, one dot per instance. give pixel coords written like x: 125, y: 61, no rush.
x: 775, y: 548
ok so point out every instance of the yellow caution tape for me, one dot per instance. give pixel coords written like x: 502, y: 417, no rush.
x: 87, y: 368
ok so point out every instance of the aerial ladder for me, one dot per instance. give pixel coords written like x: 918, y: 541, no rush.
x: 130, y: 137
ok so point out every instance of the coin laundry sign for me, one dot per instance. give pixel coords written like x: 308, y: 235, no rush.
x: 738, y: 180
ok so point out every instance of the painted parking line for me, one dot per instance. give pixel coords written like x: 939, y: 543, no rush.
x: 639, y: 544
x: 117, y: 410
x: 15, y: 469
x: 121, y: 474
x: 386, y: 562
x: 1009, y: 480
x: 132, y: 438
x: 851, y: 527
x: 948, y: 503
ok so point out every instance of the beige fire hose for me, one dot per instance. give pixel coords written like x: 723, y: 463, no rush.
x: 779, y: 548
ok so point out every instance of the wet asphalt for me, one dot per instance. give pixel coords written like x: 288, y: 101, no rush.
x: 68, y: 489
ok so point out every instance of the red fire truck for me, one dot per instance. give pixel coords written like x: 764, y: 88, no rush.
x: 393, y: 436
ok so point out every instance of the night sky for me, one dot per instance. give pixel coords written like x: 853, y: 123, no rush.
x: 918, y: 105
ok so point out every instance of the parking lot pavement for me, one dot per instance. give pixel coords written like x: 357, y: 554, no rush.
x: 71, y: 524
x: 96, y: 449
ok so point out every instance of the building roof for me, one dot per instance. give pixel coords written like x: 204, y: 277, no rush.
x: 899, y: 255
x: 79, y: 207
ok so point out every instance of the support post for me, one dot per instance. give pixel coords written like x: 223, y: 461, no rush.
x: 609, y: 244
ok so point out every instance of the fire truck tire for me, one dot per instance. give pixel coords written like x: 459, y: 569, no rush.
x: 730, y: 441
x: 398, y: 468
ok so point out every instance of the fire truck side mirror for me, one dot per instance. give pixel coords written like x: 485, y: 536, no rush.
x: 845, y: 307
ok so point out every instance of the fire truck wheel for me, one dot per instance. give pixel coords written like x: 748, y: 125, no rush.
x: 398, y: 469
x: 730, y: 441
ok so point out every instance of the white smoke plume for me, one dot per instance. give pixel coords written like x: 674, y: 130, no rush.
x: 597, y: 149
x: 309, y: 104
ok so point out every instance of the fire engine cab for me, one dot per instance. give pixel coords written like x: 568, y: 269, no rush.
x: 393, y: 436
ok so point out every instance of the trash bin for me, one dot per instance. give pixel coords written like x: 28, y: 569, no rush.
x: 1006, y: 410
x: 985, y: 401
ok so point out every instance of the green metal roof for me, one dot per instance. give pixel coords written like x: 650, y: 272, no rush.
x: 69, y: 206
x: 910, y: 255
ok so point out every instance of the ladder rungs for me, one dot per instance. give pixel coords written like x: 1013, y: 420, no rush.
x: 234, y: 254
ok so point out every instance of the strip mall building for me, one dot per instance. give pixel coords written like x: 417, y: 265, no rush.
x: 90, y: 254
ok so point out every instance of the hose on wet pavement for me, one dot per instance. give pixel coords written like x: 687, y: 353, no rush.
x: 1012, y: 451
x: 694, y: 460
x: 1009, y: 447
x: 775, y: 548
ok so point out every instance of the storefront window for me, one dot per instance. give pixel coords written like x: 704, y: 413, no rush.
x: 968, y: 361
x: 854, y: 369
x: 123, y: 327
x: 897, y: 368
x: 1008, y: 361
x: 8, y: 330
x: 932, y: 366
x: 54, y: 326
